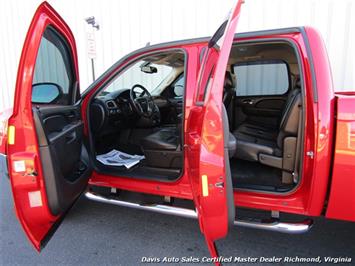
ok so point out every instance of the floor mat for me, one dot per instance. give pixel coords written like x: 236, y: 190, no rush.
x: 254, y: 173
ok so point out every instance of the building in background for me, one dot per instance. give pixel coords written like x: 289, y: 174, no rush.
x: 128, y: 25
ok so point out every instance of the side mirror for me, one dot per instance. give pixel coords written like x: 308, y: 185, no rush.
x: 179, y: 90
x: 45, y: 92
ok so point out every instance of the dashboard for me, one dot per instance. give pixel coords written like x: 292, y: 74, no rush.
x: 113, y: 110
x: 117, y: 104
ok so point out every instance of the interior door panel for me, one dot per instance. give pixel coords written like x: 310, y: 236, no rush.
x: 265, y: 110
x: 63, y: 154
x: 47, y: 160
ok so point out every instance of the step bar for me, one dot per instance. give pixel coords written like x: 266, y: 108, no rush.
x: 269, y: 225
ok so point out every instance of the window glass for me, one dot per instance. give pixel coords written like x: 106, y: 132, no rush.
x: 53, y: 65
x: 180, y: 81
x: 206, y: 74
x: 261, y: 78
x: 134, y: 75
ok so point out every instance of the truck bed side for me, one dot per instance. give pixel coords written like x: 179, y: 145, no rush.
x: 341, y: 203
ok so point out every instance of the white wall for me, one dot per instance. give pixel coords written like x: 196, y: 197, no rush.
x: 128, y: 25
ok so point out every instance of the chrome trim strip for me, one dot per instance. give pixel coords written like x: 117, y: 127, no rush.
x: 277, y: 226
x: 269, y: 225
x: 159, y: 208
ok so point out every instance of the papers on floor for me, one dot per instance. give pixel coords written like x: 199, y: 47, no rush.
x: 118, y: 158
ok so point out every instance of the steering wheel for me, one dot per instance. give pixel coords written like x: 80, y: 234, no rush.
x: 142, y: 101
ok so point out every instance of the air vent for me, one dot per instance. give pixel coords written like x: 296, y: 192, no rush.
x: 111, y: 104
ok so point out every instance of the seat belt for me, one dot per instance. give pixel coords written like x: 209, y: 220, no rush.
x: 295, y: 173
x: 232, y: 113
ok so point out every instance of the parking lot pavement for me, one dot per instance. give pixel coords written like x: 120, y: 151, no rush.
x: 99, y: 234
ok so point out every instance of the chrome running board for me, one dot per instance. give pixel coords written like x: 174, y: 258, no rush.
x: 269, y: 225
x: 277, y: 226
x: 159, y: 208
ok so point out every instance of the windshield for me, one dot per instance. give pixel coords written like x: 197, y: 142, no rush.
x: 135, y: 75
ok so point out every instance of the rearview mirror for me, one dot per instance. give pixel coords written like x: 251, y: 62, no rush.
x: 45, y: 92
x: 149, y: 69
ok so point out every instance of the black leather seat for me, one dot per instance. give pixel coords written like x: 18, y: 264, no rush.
x: 228, y: 89
x: 250, y: 146
x: 168, y: 139
x: 162, y: 149
x: 164, y: 139
x: 264, y: 131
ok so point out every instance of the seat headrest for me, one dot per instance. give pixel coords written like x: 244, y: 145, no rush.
x: 228, y: 81
x: 297, y: 83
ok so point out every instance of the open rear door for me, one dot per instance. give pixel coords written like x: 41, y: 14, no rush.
x: 47, y: 159
x: 206, y: 137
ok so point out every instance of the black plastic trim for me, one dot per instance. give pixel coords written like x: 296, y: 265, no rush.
x: 311, y: 64
x: 56, y: 225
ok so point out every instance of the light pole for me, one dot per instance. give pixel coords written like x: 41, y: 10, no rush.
x: 91, y: 44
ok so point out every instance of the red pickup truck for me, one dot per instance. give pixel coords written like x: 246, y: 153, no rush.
x: 196, y: 128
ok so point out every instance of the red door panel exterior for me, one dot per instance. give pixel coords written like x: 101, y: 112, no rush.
x: 341, y: 204
x: 25, y: 169
x: 205, y: 138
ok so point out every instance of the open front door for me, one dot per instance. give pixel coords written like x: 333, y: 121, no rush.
x: 207, y: 137
x: 47, y: 159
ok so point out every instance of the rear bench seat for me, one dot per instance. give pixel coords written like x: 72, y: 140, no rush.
x: 264, y: 132
x: 276, y: 149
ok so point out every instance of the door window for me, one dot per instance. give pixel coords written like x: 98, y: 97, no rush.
x: 53, y: 74
x: 261, y: 78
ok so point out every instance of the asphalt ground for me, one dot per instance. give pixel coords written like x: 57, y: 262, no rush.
x: 100, y: 234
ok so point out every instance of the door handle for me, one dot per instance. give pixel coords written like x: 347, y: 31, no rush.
x: 248, y: 101
x: 72, y: 116
x: 71, y: 137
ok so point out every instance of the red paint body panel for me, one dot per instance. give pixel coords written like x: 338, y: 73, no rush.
x: 324, y: 123
x: 203, y: 152
x: 341, y: 204
x: 308, y: 198
x: 205, y: 140
x: 36, y: 221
